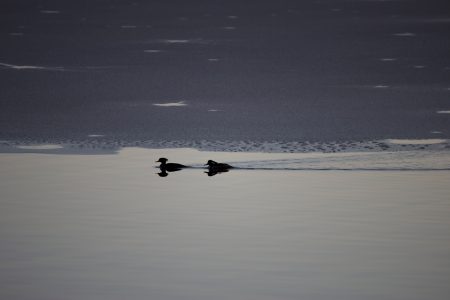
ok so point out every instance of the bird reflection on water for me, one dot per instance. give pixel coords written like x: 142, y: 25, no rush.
x: 163, y: 173
x: 217, y: 168
x: 215, y: 172
x: 214, y: 167
x: 168, y: 167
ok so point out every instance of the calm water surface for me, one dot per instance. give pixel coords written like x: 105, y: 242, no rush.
x: 108, y: 227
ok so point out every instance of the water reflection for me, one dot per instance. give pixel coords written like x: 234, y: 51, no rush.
x: 212, y: 172
x: 168, y: 167
x: 165, y: 172
x: 217, y: 168
x: 213, y: 167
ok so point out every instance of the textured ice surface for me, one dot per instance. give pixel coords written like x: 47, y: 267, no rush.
x: 103, y: 144
x: 291, y: 71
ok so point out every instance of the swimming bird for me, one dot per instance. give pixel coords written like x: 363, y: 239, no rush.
x: 170, y: 167
x: 218, y: 167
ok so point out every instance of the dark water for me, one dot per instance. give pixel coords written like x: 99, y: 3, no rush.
x: 107, y: 227
x: 258, y: 70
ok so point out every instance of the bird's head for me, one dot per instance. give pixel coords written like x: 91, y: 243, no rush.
x: 211, y: 163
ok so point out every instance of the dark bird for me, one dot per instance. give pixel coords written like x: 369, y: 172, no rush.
x: 169, y: 167
x: 217, y: 167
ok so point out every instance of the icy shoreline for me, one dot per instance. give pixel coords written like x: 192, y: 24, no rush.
x: 102, y: 145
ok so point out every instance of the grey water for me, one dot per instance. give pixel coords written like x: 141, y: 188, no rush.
x: 108, y: 227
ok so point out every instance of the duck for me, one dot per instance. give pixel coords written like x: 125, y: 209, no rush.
x: 170, y: 167
x: 217, y: 167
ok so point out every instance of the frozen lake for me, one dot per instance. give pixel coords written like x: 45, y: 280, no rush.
x: 225, y: 70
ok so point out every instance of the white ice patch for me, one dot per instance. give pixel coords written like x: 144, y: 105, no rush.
x: 95, y: 135
x: 213, y: 110
x: 176, y: 41
x: 229, y: 28
x: 213, y: 59
x: 152, y: 51
x: 171, y: 104
x: 181, y: 41
x: 388, y: 59
x: 443, y: 112
x: 40, y: 147
x: 406, y: 34
x: 436, y: 132
x: 25, y: 67
x: 50, y: 11
x: 419, y: 67
x: 381, y: 86
x: 415, y: 142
